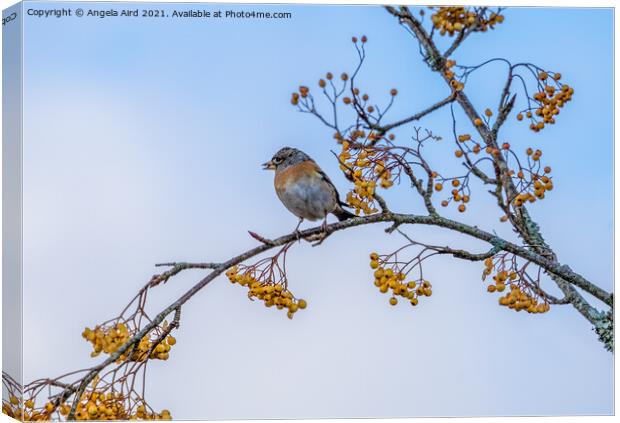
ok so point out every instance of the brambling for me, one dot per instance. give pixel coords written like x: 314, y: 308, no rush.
x: 304, y: 189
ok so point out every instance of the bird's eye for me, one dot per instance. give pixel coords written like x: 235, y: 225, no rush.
x: 277, y: 160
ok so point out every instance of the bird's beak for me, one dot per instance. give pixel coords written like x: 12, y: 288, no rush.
x: 270, y: 165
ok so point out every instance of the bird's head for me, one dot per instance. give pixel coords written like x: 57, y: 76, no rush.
x: 285, y: 157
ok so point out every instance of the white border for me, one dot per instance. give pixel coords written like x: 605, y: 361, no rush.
x: 545, y: 3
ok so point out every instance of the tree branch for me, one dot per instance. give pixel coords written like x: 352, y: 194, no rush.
x: 385, y: 128
x: 176, y: 268
x: 521, y: 220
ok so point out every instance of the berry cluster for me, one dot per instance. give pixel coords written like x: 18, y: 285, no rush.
x: 93, y: 405
x: 303, y: 92
x: 366, y: 169
x: 550, y: 98
x: 109, y: 339
x: 12, y: 407
x: 532, y: 183
x: 24, y: 412
x: 272, y: 294
x: 160, y: 352
x: 98, y: 405
x: 361, y: 105
x: 143, y: 414
x: 106, y: 339
x: 500, y: 279
x: 28, y: 412
x: 519, y: 300
x: 458, y: 194
x: 450, y: 20
x: 468, y: 145
x: 519, y: 297
x: 393, y: 279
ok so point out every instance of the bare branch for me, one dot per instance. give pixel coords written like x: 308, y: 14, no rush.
x: 466, y: 255
x: 417, y: 116
x: 526, y: 228
x: 176, y: 268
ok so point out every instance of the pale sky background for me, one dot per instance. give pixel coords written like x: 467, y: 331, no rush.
x: 143, y: 141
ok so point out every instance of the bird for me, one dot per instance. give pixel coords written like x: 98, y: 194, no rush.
x: 303, y: 187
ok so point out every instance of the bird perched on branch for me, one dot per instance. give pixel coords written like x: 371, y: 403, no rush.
x: 304, y: 189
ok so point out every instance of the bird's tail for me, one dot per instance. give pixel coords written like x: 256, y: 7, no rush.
x: 342, y: 214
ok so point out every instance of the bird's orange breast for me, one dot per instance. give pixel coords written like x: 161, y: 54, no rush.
x: 293, y: 173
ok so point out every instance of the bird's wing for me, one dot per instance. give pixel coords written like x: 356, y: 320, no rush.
x: 326, y: 179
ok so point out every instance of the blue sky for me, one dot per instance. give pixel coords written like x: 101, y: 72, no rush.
x: 143, y: 141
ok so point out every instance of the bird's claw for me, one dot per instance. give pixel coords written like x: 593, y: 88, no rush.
x: 319, y: 238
